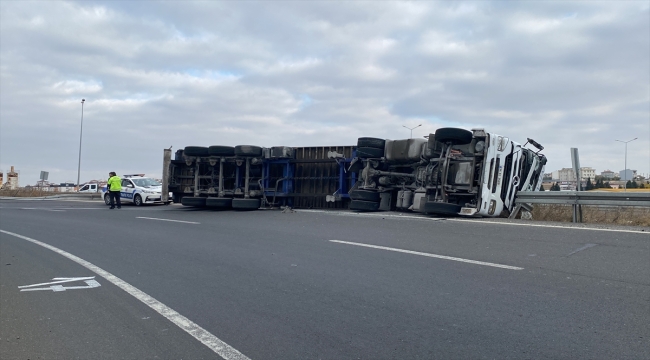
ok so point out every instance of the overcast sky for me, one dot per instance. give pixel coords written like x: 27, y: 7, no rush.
x: 308, y: 73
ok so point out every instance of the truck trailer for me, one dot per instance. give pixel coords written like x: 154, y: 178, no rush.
x: 450, y: 172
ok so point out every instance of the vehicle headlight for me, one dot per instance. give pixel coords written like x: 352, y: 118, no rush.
x: 479, y: 146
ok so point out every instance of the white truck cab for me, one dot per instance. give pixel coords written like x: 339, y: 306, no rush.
x: 139, y: 190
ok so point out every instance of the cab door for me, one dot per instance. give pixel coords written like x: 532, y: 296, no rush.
x: 127, y: 190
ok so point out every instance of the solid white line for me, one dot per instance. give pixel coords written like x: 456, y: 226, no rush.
x: 549, y: 226
x: 430, y: 255
x: 425, y: 217
x: 180, y: 221
x: 206, y: 338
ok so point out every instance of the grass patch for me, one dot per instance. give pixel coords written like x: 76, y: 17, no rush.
x: 618, y: 215
x: 27, y: 193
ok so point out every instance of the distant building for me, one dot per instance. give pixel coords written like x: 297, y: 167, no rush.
x: 12, y: 180
x: 627, y: 174
x: 567, y: 174
x: 608, y: 174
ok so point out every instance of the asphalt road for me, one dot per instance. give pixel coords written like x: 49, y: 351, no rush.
x: 274, y: 285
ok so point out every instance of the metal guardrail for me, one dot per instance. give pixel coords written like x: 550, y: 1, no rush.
x: 578, y: 198
x: 70, y: 196
x: 584, y: 198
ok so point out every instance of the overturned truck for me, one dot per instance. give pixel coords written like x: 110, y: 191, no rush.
x: 451, y: 172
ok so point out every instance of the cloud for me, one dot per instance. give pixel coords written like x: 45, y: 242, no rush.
x: 568, y: 74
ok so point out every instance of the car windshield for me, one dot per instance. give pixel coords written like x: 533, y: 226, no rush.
x: 145, y: 182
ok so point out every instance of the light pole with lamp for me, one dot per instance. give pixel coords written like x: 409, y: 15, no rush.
x: 625, y: 169
x: 411, y: 129
x: 80, y: 137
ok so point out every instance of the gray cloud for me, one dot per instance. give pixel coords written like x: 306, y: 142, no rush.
x: 155, y: 74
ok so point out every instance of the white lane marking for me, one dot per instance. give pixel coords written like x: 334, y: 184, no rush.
x: 430, y: 255
x: 59, y: 281
x: 180, y: 221
x: 549, y: 226
x: 206, y: 338
x: 40, y: 209
x: 424, y: 217
x: 90, y: 284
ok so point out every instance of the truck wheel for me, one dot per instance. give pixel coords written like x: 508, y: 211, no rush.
x: 365, y: 195
x: 221, y: 203
x: 196, y: 151
x: 193, y: 201
x: 361, y: 205
x: 248, y: 150
x: 107, y: 199
x: 246, y: 204
x: 176, y: 197
x: 441, y: 208
x: 455, y: 136
x: 218, y: 150
x: 368, y: 152
x: 137, y: 200
x: 371, y: 142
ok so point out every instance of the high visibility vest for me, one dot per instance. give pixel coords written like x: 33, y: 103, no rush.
x: 114, y: 183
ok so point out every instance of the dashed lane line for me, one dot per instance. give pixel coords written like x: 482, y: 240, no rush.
x: 475, y: 262
x: 180, y: 221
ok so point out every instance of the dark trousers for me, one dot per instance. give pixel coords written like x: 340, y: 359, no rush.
x: 115, y: 198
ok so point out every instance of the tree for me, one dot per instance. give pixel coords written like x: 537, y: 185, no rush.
x: 589, y: 185
x: 607, y: 185
x: 555, y: 187
x: 628, y: 184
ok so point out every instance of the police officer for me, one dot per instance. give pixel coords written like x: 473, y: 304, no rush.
x: 114, y: 185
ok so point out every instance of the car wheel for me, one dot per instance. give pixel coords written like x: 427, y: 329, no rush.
x: 365, y: 195
x: 137, y: 200
x: 455, y: 136
x: 441, y: 208
x: 218, y: 150
x: 196, y: 151
x: 193, y: 201
x: 368, y: 152
x: 361, y: 205
x: 248, y: 150
x: 107, y: 199
x: 371, y: 142
x: 246, y: 204
x: 220, y: 203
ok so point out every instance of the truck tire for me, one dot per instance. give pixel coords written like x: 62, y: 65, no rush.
x: 176, y: 197
x: 196, y: 151
x: 246, y: 204
x: 371, y: 142
x: 248, y: 150
x: 193, y: 201
x: 455, y: 136
x: 221, y: 203
x: 441, y: 208
x: 365, y: 195
x: 368, y: 152
x: 361, y: 205
x: 218, y: 150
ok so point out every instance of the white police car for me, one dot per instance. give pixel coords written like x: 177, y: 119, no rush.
x: 138, y: 190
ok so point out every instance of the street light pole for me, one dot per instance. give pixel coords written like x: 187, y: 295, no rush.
x: 625, y: 169
x: 80, y: 137
x: 411, y: 129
